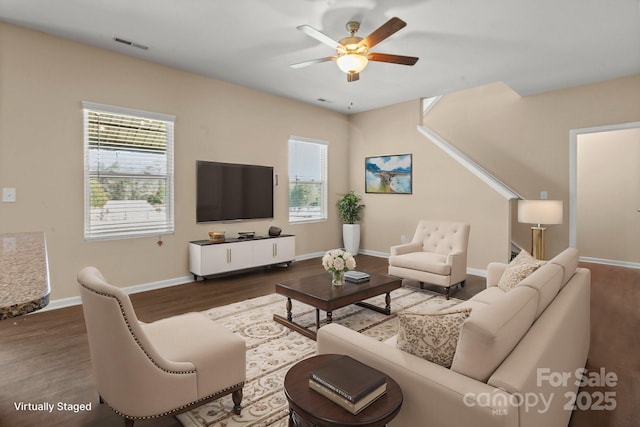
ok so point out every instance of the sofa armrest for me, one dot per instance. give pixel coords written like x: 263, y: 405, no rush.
x: 494, y: 273
x: 433, y: 395
x: 405, y: 248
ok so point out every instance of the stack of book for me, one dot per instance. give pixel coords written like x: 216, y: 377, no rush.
x: 349, y: 383
x: 356, y: 276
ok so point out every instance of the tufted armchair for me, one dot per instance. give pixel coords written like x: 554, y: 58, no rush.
x: 437, y: 254
x: 147, y: 370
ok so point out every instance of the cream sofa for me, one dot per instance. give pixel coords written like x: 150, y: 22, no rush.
x: 510, y: 355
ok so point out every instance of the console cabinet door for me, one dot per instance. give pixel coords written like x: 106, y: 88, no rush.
x: 285, y: 249
x: 221, y: 258
x: 273, y: 251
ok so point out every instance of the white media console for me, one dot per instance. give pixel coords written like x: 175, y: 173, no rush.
x: 208, y: 258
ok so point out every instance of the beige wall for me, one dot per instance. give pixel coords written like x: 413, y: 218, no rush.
x: 442, y: 189
x: 524, y: 141
x: 608, y: 195
x: 43, y: 81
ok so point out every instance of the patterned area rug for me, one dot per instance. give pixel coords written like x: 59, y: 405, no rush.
x: 272, y: 349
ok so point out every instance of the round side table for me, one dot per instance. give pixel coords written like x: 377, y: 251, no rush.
x: 309, y: 408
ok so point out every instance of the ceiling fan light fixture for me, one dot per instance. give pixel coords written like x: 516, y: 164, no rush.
x: 352, y: 62
x: 352, y: 52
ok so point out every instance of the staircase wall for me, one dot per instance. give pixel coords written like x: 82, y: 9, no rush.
x: 524, y: 141
x: 442, y: 189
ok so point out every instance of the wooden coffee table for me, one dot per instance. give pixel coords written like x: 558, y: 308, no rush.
x: 318, y: 292
x: 309, y: 408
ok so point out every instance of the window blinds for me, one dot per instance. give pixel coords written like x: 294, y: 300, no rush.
x: 128, y: 172
x: 307, y: 180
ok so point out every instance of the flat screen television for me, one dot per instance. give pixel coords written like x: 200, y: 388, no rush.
x: 229, y: 191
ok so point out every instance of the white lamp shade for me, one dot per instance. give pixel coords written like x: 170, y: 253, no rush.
x: 352, y: 62
x: 540, y: 211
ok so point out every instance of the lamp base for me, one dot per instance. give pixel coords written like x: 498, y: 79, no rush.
x: 537, y: 242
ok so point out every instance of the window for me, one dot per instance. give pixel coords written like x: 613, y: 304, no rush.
x: 128, y: 172
x: 307, y: 180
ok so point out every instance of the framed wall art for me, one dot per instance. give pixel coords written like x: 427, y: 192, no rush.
x: 388, y: 174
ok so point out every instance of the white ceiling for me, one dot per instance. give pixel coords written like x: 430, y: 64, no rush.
x: 532, y: 45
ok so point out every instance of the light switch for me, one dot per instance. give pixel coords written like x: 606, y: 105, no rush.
x: 9, y: 195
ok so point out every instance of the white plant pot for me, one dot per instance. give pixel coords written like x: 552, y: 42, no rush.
x: 351, y: 238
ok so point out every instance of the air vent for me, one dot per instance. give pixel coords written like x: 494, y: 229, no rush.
x: 130, y: 43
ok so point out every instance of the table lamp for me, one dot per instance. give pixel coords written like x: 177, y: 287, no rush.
x: 539, y: 212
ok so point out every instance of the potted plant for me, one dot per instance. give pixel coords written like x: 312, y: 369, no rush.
x: 350, y: 207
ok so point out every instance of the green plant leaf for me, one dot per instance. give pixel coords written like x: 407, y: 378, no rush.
x: 349, y: 207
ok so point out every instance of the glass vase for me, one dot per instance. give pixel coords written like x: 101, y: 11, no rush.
x: 337, y: 278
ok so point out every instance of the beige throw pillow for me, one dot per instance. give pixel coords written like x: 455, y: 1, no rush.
x: 519, y: 268
x: 432, y: 336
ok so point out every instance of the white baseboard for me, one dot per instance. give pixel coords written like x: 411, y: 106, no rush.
x: 61, y: 303
x: 613, y: 262
x: 310, y: 256
x: 68, y: 302
x: 374, y: 253
x: 477, y: 272
x: 71, y: 301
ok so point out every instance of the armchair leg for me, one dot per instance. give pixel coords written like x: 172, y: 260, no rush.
x: 236, y: 396
x: 447, y: 290
x: 421, y: 285
x: 128, y: 422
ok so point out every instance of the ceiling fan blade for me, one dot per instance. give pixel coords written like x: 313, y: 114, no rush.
x: 394, y: 59
x: 312, y: 62
x: 353, y: 77
x: 387, y: 29
x: 318, y: 35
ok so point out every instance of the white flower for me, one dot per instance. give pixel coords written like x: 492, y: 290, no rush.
x: 351, y: 263
x: 327, y: 261
x: 337, y: 260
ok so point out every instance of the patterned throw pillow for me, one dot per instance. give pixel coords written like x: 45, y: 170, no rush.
x: 432, y: 336
x: 519, y: 268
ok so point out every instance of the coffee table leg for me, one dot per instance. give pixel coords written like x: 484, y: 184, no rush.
x: 296, y: 420
x: 289, y: 315
x: 329, y: 317
x: 317, y: 319
x: 387, y: 300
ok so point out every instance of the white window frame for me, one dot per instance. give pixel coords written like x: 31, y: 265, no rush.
x: 127, y: 230
x: 321, y: 215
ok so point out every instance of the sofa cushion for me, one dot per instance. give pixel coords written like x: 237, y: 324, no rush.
x: 568, y: 260
x: 472, y: 304
x: 423, y: 261
x: 546, y: 281
x: 193, y: 337
x: 489, y: 335
x: 432, y: 336
x: 489, y: 295
x: 519, y: 268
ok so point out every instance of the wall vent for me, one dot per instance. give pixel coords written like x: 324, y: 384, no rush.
x: 130, y: 43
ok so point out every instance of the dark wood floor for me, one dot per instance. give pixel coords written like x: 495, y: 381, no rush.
x: 44, y: 357
x: 615, y: 346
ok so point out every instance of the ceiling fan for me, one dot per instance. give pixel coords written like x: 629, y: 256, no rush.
x: 352, y: 52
